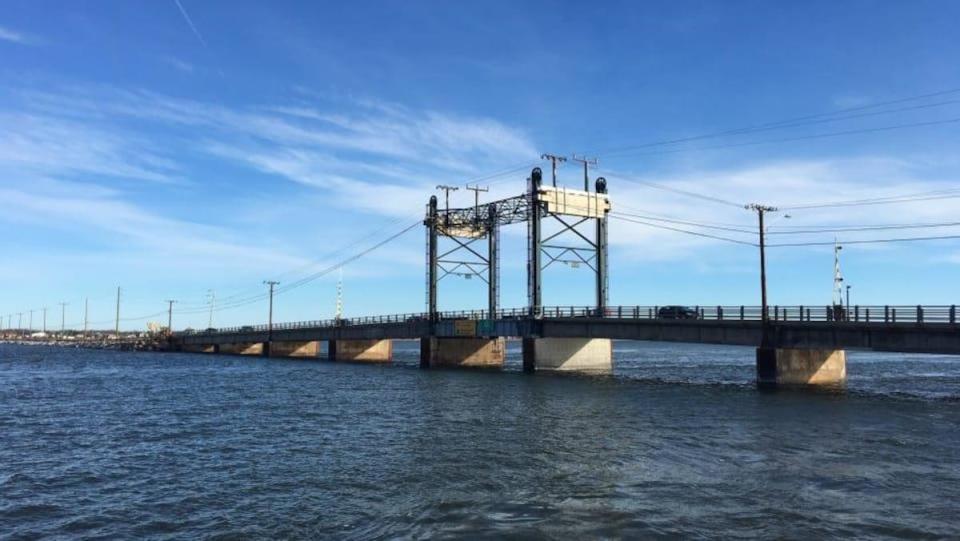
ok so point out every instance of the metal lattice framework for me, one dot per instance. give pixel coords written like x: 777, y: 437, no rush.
x: 466, y: 228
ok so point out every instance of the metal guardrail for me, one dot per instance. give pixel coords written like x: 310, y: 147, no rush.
x: 902, y: 314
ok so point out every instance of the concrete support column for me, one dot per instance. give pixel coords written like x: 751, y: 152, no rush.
x: 201, y: 348
x: 462, y: 352
x: 776, y: 366
x: 588, y: 355
x: 244, y: 348
x: 368, y: 351
x: 309, y: 349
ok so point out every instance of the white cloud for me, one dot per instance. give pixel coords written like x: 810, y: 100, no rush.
x: 7, y: 34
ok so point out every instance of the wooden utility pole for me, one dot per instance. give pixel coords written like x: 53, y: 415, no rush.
x: 170, y: 316
x: 586, y: 174
x: 270, y: 283
x: 553, y: 164
x: 761, y: 210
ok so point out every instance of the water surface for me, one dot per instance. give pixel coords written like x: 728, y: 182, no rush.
x: 677, y: 443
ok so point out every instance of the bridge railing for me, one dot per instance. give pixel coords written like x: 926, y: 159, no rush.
x: 890, y: 314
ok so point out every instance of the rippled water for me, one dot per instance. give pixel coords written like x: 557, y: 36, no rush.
x: 677, y: 443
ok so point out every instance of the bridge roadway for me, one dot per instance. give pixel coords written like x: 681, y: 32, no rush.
x: 915, y: 329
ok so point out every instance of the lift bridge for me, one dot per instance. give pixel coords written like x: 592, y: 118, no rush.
x: 797, y: 344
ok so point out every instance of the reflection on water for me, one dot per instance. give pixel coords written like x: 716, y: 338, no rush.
x: 678, y: 442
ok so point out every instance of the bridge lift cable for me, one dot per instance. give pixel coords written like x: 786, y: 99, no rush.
x: 793, y: 122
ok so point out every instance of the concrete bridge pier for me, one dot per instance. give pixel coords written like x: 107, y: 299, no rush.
x: 243, y: 348
x: 200, y: 348
x: 787, y: 366
x: 462, y: 352
x: 587, y: 355
x: 307, y: 349
x: 362, y: 351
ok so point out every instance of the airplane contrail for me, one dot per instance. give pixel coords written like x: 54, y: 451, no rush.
x: 193, y: 27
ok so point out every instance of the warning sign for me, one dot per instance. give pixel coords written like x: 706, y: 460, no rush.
x: 464, y: 327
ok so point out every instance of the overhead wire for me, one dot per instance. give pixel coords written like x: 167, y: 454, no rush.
x: 787, y: 123
x: 864, y: 241
x: 685, y: 231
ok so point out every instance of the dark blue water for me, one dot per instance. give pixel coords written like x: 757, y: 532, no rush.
x: 99, y: 444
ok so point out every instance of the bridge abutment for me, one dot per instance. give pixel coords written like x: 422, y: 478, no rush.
x: 785, y: 366
x: 363, y: 351
x: 462, y: 352
x: 589, y: 355
x: 306, y: 349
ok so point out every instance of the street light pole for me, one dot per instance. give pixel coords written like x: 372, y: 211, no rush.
x: 848, y: 300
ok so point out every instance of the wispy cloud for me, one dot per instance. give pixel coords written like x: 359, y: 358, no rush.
x: 178, y: 64
x: 193, y: 27
x: 324, y: 147
x: 7, y: 34
x: 53, y: 145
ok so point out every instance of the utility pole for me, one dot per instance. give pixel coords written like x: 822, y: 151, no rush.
x: 553, y: 164
x: 586, y: 163
x: 446, y: 194
x: 339, y: 310
x: 63, y: 316
x: 476, y: 189
x: 86, y: 315
x: 212, y: 300
x: 270, y: 283
x: 761, y: 210
x: 170, y: 316
x: 117, y: 326
x: 432, y: 278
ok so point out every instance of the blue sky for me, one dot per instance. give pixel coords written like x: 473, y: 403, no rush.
x: 171, y: 151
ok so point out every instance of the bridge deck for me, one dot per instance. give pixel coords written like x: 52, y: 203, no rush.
x: 906, y: 329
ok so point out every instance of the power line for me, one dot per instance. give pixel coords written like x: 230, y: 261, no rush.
x: 676, y: 190
x: 686, y: 231
x: 787, y: 123
x: 828, y: 229
x: 870, y: 241
x: 905, y: 198
x: 685, y: 222
x: 309, y: 278
x: 805, y: 137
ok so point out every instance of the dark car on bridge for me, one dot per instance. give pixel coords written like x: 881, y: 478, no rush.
x: 677, y: 312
